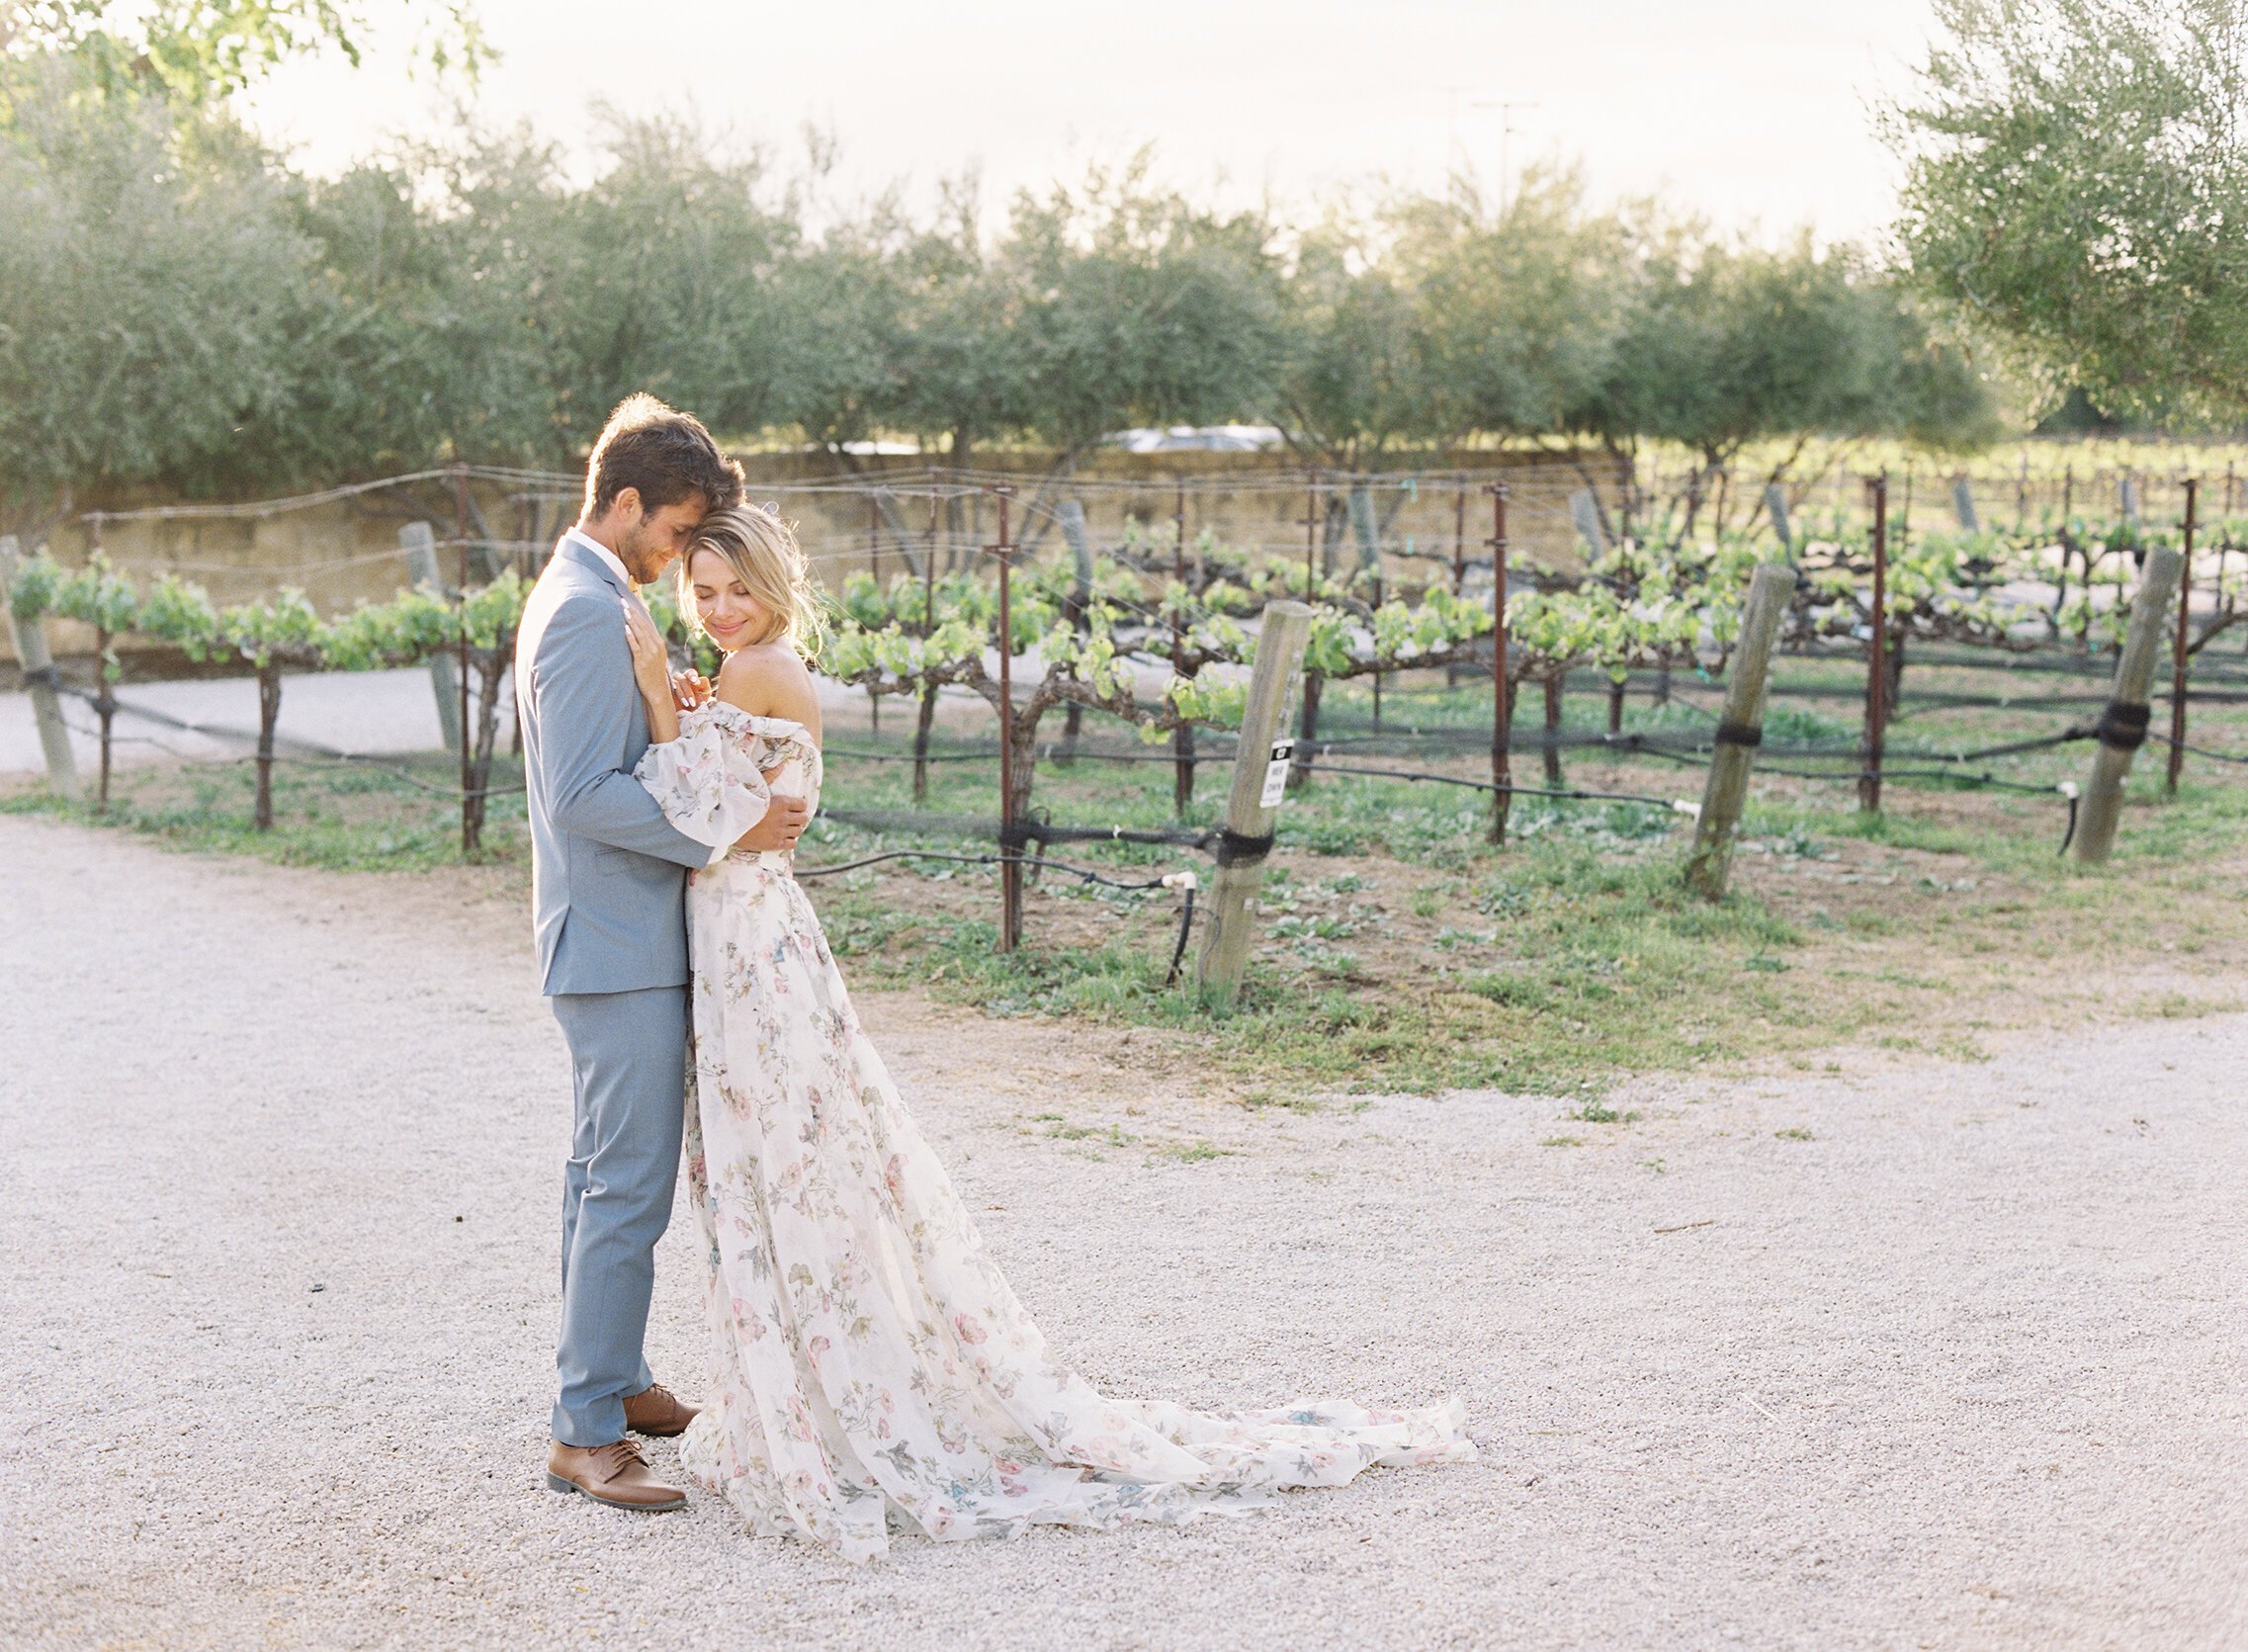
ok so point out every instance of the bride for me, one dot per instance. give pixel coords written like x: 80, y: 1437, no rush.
x: 872, y: 1372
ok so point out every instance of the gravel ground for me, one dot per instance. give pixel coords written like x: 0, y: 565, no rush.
x: 1926, y: 1356
x: 346, y: 711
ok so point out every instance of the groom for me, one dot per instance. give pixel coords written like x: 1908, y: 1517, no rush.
x: 608, y: 883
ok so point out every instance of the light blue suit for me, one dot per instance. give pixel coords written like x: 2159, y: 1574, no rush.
x: 608, y: 895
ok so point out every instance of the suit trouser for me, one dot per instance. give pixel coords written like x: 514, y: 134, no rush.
x: 628, y: 1056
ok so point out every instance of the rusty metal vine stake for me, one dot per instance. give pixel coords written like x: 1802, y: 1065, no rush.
x: 471, y: 806
x: 1183, y: 737
x: 1307, y: 724
x: 105, y: 692
x: 1010, y: 836
x: 874, y: 572
x: 1877, y: 655
x: 2183, y: 653
x: 1502, y: 696
x: 928, y: 692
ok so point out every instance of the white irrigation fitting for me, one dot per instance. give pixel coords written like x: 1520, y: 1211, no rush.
x: 1181, y: 880
x: 1691, y: 811
x: 2067, y: 789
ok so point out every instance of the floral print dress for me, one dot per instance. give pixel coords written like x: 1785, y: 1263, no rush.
x: 872, y: 1372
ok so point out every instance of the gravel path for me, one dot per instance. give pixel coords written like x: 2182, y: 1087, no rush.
x: 363, y: 713
x: 1965, y: 1367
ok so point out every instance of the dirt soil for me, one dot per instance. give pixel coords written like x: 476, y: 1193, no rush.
x: 1919, y: 1352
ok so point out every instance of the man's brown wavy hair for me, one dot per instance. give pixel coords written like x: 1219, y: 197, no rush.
x: 665, y: 454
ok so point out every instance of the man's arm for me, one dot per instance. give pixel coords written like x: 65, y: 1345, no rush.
x: 582, y: 674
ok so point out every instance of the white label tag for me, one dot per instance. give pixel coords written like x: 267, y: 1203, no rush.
x: 1276, y: 774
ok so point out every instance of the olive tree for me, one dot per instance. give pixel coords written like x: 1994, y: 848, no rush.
x: 1139, y: 308
x: 153, y: 290
x: 1724, y: 344
x: 198, y: 53
x: 2077, y: 188
x: 959, y: 372
x: 1521, y: 308
x: 1351, y: 381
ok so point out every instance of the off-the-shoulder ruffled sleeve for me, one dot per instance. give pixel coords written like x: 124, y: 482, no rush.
x: 706, y: 781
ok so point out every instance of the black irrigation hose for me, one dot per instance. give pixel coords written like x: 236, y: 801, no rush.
x: 1044, y: 832
x: 2202, y: 750
x: 1492, y: 786
x: 1179, y: 952
x: 1886, y: 772
x: 1079, y: 872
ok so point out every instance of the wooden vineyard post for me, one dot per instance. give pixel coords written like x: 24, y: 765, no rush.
x: 1459, y: 540
x: 1010, y: 838
x: 1260, y: 769
x: 1963, y: 506
x: 419, y: 543
x: 1740, y: 731
x: 1080, y: 604
x: 1459, y: 563
x: 1775, y: 507
x: 1876, y: 657
x: 2182, y: 652
x: 2122, y: 728
x: 40, y: 681
x: 1501, y: 691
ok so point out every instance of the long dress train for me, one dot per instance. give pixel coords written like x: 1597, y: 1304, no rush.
x: 871, y: 1369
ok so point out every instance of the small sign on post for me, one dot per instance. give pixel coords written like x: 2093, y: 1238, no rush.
x: 1276, y: 774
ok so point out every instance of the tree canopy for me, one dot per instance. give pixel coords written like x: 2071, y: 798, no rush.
x: 180, y: 307
x: 2078, y: 191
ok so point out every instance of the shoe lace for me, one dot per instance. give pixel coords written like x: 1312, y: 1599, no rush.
x: 658, y: 1392
x: 617, y: 1455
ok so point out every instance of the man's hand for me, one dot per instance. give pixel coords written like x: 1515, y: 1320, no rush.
x: 783, y: 824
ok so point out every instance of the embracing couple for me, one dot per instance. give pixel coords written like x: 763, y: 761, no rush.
x: 870, y: 1370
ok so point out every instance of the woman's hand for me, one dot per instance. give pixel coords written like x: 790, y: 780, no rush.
x: 651, y: 672
x: 690, y: 689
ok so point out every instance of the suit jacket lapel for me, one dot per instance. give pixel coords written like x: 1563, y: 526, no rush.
x: 568, y: 549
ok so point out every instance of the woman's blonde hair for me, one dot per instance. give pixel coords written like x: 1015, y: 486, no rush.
x: 764, y: 555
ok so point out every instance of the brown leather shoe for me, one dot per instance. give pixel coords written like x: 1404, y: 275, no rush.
x: 615, y: 1474
x: 658, y: 1412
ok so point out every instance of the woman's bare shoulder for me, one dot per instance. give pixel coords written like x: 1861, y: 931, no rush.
x: 769, y: 680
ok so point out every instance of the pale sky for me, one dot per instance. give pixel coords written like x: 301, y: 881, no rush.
x: 1752, y: 112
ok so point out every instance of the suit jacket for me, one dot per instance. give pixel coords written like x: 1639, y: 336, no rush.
x: 608, y: 871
